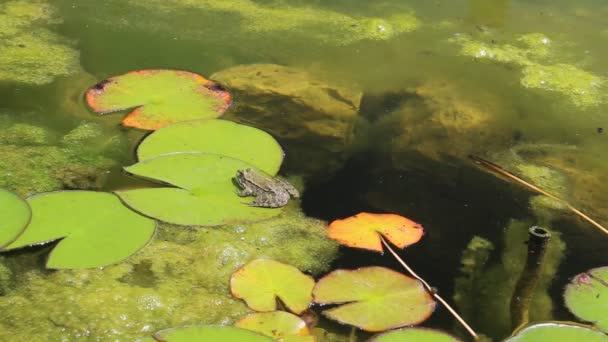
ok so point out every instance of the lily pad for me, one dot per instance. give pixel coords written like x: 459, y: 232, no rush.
x: 414, y: 334
x: 205, y: 193
x: 206, y: 333
x: 222, y: 137
x: 262, y: 281
x: 376, y: 298
x: 364, y: 230
x: 279, y: 325
x: 158, y: 97
x: 557, y: 332
x: 587, y: 296
x: 14, y: 216
x: 95, y: 228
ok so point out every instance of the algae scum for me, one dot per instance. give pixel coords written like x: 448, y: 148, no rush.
x: 377, y: 106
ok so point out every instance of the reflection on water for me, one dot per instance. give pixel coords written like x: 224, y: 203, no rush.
x: 522, y: 83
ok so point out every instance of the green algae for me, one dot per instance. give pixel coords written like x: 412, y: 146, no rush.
x: 31, y: 53
x: 583, y: 88
x: 534, y: 54
x: 32, y: 160
x: 323, y: 25
x: 24, y: 134
x: 181, y: 278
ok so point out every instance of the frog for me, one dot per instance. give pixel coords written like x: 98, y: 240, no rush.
x: 269, y: 192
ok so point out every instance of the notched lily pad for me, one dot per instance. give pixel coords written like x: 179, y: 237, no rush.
x: 15, y: 214
x: 205, y: 193
x: 158, y: 97
x: 222, y: 137
x: 557, y: 332
x: 414, y: 334
x: 262, y: 281
x: 374, y: 298
x: 95, y: 228
x: 206, y: 333
x: 279, y: 325
x: 587, y: 296
x: 364, y: 229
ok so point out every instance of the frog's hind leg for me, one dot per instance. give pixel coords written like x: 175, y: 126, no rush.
x: 291, y: 190
x: 265, y: 201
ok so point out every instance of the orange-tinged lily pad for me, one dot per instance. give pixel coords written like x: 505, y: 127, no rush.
x: 365, y: 229
x: 262, y: 281
x: 158, y: 97
x: 280, y: 325
x: 374, y: 298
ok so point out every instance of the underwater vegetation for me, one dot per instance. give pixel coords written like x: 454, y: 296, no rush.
x: 31, y: 52
x: 486, y: 288
x: 538, y: 59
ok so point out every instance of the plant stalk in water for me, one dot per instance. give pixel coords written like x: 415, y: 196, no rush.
x: 431, y: 290
x: 509, y: 174
x: 524, y: 289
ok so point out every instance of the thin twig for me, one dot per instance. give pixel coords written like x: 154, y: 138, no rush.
x: 506, y: 173
x: 430, y: 290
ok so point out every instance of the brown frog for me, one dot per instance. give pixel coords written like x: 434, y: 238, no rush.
x: 269, y: 192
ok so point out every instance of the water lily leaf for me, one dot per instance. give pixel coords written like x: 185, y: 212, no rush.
x: 414, y: 334
x: 376, y: 298
x: 206, y: 195
x: 557, y: 332
x: 14, y: 216
x: 262, y: 281
x: 363, y: 231
x: 587, y: 296
x: 95, y: 228
x: 158, y: 97
x: 280, y: 325
x: 222, y: 137
x: 199, y: 333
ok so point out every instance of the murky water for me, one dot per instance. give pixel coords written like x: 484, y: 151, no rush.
x: 522, y: 83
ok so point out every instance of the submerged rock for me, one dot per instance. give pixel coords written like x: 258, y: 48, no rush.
x: 314, y: 120
x: 180, y: 278
x: 439, y: 120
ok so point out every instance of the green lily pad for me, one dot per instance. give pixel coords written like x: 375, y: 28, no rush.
x: 414, y: 334
x: 206, y: 195
x: 14, y: 216
x: 262, y: 281
x: 376, y: 298
x: 222, y: 137
x: 158, y: 97
x: 280, y: 325
x: 587, y: 296
x: 199, y: 333
x: 95, y: 228
x: 557, y: 332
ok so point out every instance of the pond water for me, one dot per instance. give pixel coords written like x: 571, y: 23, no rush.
x: 520, y: 83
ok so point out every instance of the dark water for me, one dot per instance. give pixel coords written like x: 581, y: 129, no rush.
x: 390, y: 60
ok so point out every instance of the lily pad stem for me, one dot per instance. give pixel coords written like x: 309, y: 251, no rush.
x: 431, y: 290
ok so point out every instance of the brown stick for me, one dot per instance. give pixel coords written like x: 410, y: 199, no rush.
x: 509, y: 174
x: 524, y: 289
x: 430, y: 290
